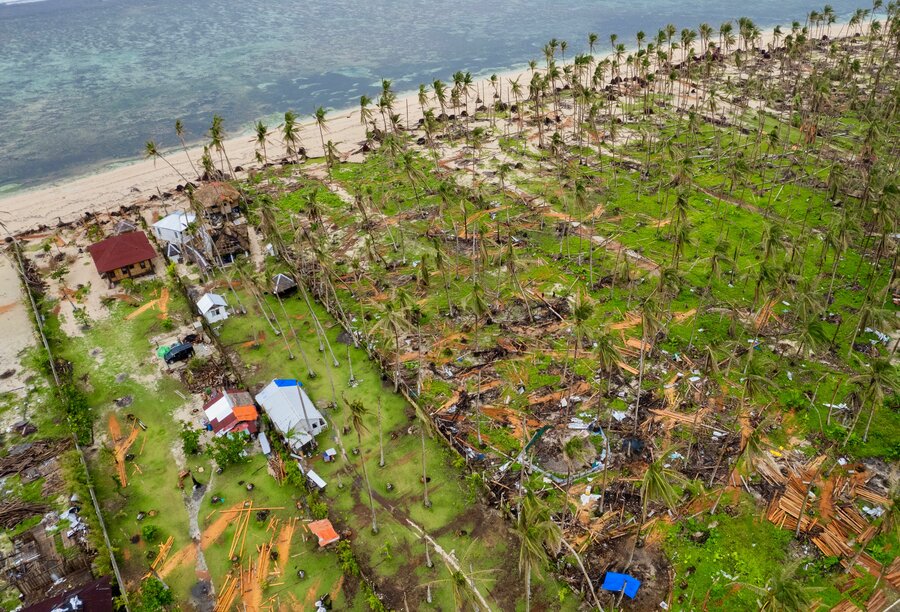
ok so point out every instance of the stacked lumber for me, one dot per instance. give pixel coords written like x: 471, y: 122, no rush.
x: 161, y: 556
x: 27, y: 456
x: 784, y: 510
x: 226, y: 595
x: 892, y: 574
x: 864, y: 492
x: 14, y: 511
x: 845, y: 606
x: 877, y: 602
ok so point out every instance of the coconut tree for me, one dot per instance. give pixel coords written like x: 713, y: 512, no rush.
x: 290, y: 134
x: 217, y: 142
x: 393, y: 320
x: 425, y: 500
x: 657, y: 485
x: 365, y: 113
x: 151, y: 151
x: 477, y: 307
x: 650, y: 325
x: 440, y: 262
x: 870, y: 386
x: 538, y: 534
x: 322, y: 126
x: 784, y: 591
x: 809, y: 332
x: 179, y: 131
x: 606, y: 354
x: 309, y: 371
x: 582, y: 309
x: 262, y: 133
x: 358, y: 412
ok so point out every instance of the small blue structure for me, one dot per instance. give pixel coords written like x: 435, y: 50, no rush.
x: 618, y: 582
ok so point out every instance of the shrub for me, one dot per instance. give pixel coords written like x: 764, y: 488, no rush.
x: 190, y: 439
x: 347, y: 559
x: 150, y: 533
x: 228, y: 449
x: 154, y: 596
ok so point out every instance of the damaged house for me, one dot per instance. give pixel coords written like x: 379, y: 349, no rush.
x: 292, y: 412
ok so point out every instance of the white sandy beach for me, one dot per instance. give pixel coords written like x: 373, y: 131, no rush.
x: 135, y: 182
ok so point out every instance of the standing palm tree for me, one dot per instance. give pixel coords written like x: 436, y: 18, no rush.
x: 319, y: 116
x: 150, y: 150
x: 393, y: 317
x: 608, y: 357
x: 365, y: 113
x: 358, y: 411
x: 262, y: 132
x: 291, y: 135
x: 179, y: 131
x: 538, y: 533
x: 478, y: 307
x: 649, y: 327
x: 871, y: 385
x: 582, y: 309
x: 657, y: 484
x: 217, y: 141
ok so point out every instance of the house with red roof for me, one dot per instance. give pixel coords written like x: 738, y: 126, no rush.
x: 231, y: 410
x: 123, y: 256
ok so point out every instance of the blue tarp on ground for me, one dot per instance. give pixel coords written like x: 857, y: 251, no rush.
x: 615, y: 582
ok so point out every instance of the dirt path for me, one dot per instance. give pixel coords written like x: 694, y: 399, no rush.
x: 185, y: 556
x: 115, y: 429
x: 218, y: 526
x: 15, y: 326
x: 311, y: 595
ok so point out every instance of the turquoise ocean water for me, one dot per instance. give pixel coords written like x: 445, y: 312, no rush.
x: 84, y: 83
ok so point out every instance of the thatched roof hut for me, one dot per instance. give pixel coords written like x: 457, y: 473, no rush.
x: 218, y: 198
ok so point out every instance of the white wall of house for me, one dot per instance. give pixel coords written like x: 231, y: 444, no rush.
x: 216, y: 313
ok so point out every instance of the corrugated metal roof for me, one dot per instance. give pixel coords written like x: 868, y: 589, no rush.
x: 121, y: 251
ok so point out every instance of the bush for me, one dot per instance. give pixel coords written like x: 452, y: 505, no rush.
x: 150, y: 533
x: 228, y: 449
x: 190, y: 439
x: 154, y: 596
x: 349, y: 565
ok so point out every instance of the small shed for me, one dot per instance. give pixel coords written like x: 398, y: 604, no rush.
x: 123, y: 227
x: 316, y: 480
x: 324, y: 530
x: 283, y: 285
x: 264, y: 444
x: 173, y: 252
x: 213, y: 307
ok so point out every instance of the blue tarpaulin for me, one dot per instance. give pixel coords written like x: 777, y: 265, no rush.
x: 616, y: 582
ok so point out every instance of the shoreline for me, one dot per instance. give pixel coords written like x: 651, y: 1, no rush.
x: 134, y: 180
